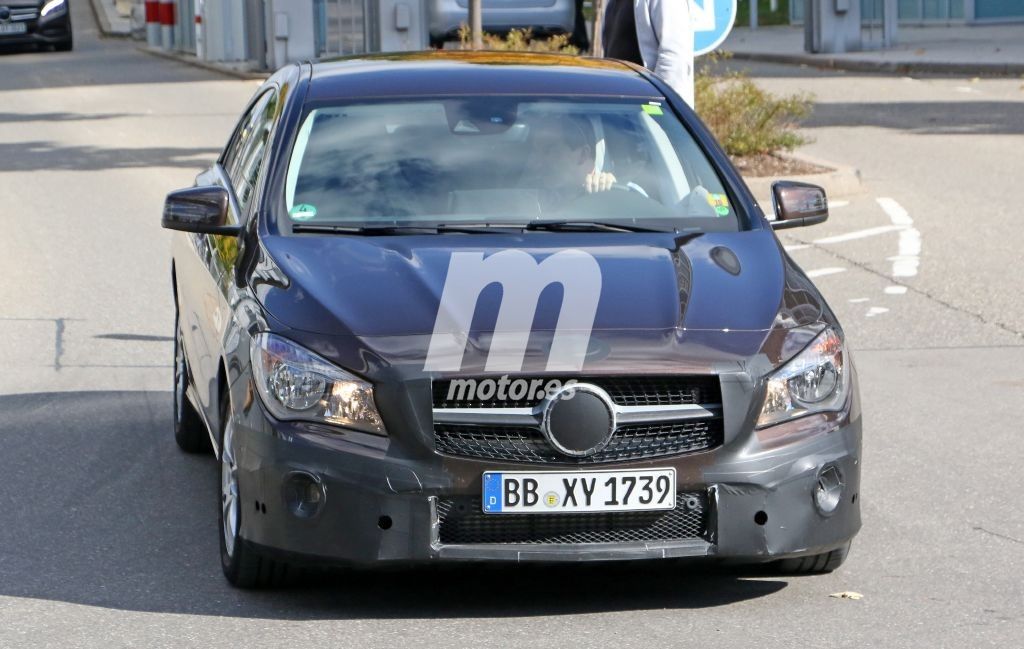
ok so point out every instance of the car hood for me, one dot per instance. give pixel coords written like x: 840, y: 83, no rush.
x: 663, y: 301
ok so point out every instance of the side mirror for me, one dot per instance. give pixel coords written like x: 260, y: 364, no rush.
x: 798, y: 204
x: 202, y: 210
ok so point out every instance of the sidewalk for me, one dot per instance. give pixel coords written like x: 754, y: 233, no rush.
x: 977, y: 50
x: 112, y: 21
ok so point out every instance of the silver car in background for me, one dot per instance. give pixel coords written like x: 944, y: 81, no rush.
x: 543, y: 16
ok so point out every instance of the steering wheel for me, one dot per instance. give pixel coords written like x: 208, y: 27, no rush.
x: 630, y: 187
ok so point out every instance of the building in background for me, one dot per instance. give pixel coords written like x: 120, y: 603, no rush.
x: 934, y: 12
x: 266, y: 34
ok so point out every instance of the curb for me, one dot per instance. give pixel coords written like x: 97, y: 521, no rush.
x: 843, y: 180
x: 103, y: 22
x: 885, y: 67
x: 188, y: 59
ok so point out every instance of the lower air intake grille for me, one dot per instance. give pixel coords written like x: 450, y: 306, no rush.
x: 461, y: 522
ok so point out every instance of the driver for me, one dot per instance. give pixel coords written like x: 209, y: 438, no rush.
x: 561, y: 161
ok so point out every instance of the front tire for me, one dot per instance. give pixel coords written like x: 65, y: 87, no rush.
x: 65, y: 45
x: 189, y: 429
x: 243, y: 566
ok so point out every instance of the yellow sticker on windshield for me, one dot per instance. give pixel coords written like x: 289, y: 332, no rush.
x: 652, y: 109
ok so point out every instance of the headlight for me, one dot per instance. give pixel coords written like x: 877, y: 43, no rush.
x: 296, y: 384
x: 815, y: 380
x: 52, y: 6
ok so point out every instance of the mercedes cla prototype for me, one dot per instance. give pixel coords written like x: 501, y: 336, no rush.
x: 452, y: 306
x: 36, y: 22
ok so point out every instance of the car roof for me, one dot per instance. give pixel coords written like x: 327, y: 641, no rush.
x: 454, y: 72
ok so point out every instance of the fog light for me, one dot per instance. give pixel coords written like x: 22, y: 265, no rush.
x: 829, y: 490
x: 304, y: 494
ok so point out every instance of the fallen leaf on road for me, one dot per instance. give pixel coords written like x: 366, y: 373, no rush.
x: 847, y: 594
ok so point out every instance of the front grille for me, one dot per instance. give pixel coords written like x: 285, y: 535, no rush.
x: 24, y: 13
x: 462, y: 522
x: 524, y: 444
x: 624, y: 391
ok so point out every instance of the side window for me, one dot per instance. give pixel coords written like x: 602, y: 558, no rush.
x: 241, y: 135
x: 244, y: 157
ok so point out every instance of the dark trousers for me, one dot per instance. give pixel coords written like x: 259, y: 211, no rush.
x: 579, y: 33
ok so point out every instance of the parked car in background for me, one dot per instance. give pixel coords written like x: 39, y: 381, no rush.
x: 474, y: 306
x: 543, y: 16
x: 36, y: 22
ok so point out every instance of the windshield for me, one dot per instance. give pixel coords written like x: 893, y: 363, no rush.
x: 495, y: 160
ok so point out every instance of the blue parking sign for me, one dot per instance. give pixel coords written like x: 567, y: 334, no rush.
x: 712, y: 22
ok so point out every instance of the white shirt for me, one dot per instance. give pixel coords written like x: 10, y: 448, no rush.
x: 665, y: 36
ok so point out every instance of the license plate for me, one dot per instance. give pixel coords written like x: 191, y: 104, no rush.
x: 508, y: 492
x: 13, y: 28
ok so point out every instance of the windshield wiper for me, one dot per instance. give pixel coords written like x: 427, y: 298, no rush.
x: 381, y: 230
x: 471, y: 228
x: 391, y: 230
x: 587, y: 226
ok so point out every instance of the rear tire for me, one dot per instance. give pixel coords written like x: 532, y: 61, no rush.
x: 243, y: 566
x: 816, y: 564
x: 189, y: 430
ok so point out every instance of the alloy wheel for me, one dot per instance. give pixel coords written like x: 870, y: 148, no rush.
x: 229, y: 489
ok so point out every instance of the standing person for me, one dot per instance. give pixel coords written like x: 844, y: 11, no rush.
x: 580, y: 39
x: 656, y: 34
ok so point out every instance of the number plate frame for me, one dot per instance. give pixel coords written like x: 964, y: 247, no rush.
x: 555, y: 487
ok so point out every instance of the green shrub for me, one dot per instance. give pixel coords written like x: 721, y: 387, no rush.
x: 519, y: 40
x: 765, y: 15
x: 746, y: 119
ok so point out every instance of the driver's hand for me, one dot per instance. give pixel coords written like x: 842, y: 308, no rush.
x: 599, y: 181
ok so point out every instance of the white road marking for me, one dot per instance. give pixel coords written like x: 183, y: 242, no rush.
x: 906, y: 263
x: 895, y: 212
x: 822, y: 272
x: 895, y: 290
x: 858, y: 300
x: 832, y: 204
x: 876, y: 310
x: 858, y: 234
x: 799, y: 246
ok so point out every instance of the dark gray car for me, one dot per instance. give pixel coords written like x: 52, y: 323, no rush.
x: 470, y: 306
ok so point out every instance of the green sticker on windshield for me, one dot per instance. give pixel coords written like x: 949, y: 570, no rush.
x: 302, y: 212
x: 720, y: 203
x: 652, y: 109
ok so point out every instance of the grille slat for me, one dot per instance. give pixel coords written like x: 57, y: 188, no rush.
x: 24, y: 13
x: 461, y: 522
x: 522, y: 444
x: 624, y: 391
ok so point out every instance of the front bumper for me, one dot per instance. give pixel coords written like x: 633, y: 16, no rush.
x: 51, y: 30
x: 383, y: 508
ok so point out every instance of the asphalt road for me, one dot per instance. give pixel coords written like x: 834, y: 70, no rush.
x: 108, y: 534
